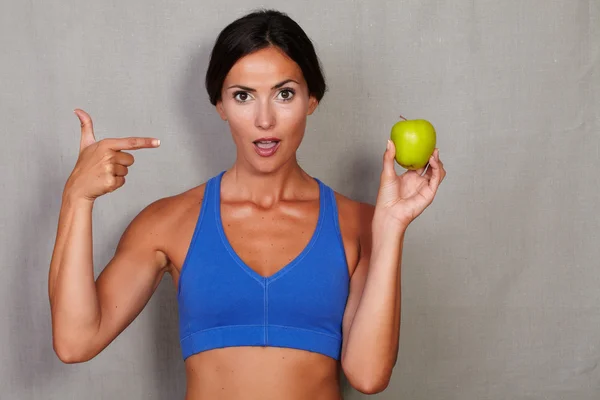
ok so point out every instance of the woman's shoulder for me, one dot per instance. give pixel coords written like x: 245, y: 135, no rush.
x: 354, y: 220
x: 354, y: 216
x: 168, y: 211
x: 350, y: 209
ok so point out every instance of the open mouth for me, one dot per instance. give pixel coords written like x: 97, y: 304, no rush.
x: 266, y: 144
x: 266, y: 147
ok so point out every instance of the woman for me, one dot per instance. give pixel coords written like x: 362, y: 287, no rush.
x: 280, y: 280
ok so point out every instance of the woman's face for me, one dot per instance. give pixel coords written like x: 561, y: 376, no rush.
x: 265, y: 100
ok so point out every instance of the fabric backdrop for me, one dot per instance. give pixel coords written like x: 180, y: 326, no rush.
x: 501, y: 275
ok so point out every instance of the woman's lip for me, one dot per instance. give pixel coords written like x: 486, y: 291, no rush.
x: 267, y: 139
x: 266, y: 152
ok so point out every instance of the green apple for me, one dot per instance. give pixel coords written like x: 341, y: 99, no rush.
x: 414, y: 141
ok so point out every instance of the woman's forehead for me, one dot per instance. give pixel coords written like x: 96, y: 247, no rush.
x: 265, y: 67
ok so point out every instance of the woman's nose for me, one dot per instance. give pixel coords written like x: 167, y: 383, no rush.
x: 265, y: 117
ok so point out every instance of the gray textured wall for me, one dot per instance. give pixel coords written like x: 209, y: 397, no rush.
x: 501, y: 274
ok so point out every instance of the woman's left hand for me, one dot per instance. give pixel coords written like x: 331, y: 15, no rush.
x: 404, y: 197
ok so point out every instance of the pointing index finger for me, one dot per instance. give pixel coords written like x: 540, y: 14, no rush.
x: 132, y: 143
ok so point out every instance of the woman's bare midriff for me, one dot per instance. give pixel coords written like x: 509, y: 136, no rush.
x: 261, y: 373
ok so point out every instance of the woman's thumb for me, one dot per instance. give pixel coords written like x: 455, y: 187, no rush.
x: 87, y: 129
x: 389, y: 171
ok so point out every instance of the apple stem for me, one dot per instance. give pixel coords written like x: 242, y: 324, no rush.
x: 403, y: 118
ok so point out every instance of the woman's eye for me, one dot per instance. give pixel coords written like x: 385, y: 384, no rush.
x: 286, y: 94
x: 241, y: 96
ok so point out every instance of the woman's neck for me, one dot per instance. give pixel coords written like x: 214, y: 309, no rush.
x: 288, y: 182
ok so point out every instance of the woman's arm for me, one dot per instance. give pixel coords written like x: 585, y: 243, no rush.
x: 371, y: 324
x: 89, y: 314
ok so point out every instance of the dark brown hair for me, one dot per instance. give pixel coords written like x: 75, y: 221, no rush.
x: 258, y: 30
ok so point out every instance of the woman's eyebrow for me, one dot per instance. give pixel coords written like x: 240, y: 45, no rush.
x: 248, y: 89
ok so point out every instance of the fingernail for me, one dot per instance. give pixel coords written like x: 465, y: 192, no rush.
x: 389, y: 144
x: 156, y: 142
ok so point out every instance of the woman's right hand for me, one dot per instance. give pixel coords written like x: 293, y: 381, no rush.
x: 102, y: 166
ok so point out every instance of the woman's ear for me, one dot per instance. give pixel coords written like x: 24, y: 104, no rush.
x: 221, y: 110
x: 312, y: 104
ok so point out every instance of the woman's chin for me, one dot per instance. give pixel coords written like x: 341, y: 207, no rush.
x: 268, y: 165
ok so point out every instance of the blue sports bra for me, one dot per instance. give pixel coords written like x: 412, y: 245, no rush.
x: 223, y: 302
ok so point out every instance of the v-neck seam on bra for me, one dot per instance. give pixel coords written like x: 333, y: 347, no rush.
x: 266, y: 280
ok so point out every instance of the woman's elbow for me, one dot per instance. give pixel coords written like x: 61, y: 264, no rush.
x: 69, y: 354
x: 368, y: 382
